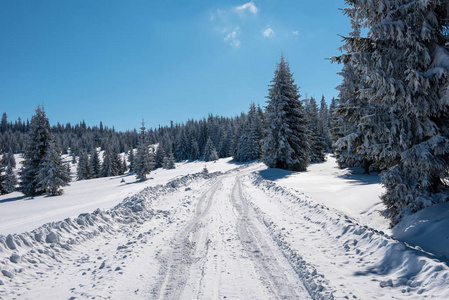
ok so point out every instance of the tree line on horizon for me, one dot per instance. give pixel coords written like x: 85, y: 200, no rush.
x: 208, y: 139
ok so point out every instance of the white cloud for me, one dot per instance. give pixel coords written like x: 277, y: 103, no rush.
x: 232, y: 37
x: 268, y: 32
x: 250, y: 6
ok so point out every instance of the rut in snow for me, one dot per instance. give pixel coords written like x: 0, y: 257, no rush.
x: 225, y: 252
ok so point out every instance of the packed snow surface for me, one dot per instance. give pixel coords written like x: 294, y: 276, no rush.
x: 238, y: 232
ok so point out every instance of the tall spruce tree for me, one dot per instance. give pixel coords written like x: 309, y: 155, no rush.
x: 210, y: 153
x: 52, y: 174
x: 316, y: 139
x: 83, y: 170
x: 131, y: 160
x: 249, y: 144
x: 38, y: 142
x: 194, y: 150
x: 95, y: 164
x: 169, y: 161
x: 323, y: 125
x: 159, y: 158
x: 349, y: 109
x: 286, y: 144
x: 406, y: 125
x: 109, y: 166
x: 8, y: 180
x: 144, y: 160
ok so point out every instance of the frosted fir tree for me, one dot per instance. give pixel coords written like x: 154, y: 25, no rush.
x: 159, y: 158
x: 8, y: 180
x: 316, y: 140
x: 169, y: 161
x: 183, y: 147
x: 38, y: 142
x: 116, y: 161
x: 210, y: 154
x: 194, y: 150
x: 323, y: 125
x: 349, y: 110
x: 124, y: 165
x: 10, y: 160
x: 109, y: 165
x: 249, y: 144
x: 83, y: 170
x: 144, y: 161
x: 405, y: 127
x: 4, y: 123
x: 286, y: 144
x: 95, y: 164
x: 52, y: 175
x: 131, y: 160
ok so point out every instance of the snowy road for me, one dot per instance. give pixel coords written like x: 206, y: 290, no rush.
x: 201, y: 241
x: 224, y: 252
x: 230, y: 235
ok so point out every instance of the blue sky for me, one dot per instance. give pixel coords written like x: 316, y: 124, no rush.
x: 121, y: 61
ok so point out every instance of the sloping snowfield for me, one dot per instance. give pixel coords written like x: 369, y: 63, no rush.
x: 239, y: 232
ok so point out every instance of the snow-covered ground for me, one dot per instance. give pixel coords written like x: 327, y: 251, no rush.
x: 243, y: 232
x: 19, y: 214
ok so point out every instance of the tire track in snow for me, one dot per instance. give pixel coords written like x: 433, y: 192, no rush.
x: 260, y: 251
x: 175, y: 270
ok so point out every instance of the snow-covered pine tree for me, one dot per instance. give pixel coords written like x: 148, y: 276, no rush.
x: 406, y: 126
x: 316, y: 140
x: 95, y: 164
x: 52, y: 174
x: 124, y: 165
x: 333, y: 120
x: 3, y: 189
x: 109, y: 166
x: 323, y: 125
x: 286, y: 144
x: 116, y: 161
x: 38, y: 142
x: 144, y: 160
x: 83, y: 170
x: 194, y: 150
x: 237, y: 133
x: 169, y: 161
x: 4, y: 123
x: 183, y: 147
x: 249, y: 144
x: 159, y: 157
x: 8, y: 180
x: 11, y: 161
x: 350, y: 107
x: 210, y: 154
x: 131, y: 160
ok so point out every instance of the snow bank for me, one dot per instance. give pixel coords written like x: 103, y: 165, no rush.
x: 347, y: 257
x: 26, y: 253
x: 427, y: 229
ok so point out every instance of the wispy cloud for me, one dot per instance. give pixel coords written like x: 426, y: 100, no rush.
x: 233, y: 37
x: 250, y: 7
x: 231, y: 21
x: 268, y: 32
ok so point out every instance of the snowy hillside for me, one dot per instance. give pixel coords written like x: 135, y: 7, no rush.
x: 239, y: 232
